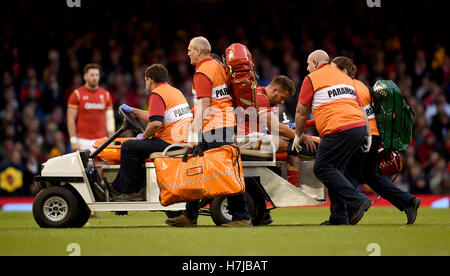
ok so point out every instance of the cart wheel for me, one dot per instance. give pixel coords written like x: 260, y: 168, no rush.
x: 219, y: 211
x: 220, y: 214
x: 57, y: 207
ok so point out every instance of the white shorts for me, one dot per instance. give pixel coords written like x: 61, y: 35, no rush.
x: 87, y: 144
x: 255, y: 141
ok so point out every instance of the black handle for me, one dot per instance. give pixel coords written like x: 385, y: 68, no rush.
x: 109, y: 141
x: 197, y: 150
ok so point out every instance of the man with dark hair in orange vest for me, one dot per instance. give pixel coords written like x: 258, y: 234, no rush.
x: 341, y: 124
x: 169, y: 118
x: 364, y: 168
x: 214, y: 125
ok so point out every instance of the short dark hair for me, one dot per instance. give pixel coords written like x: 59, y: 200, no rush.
x: 285, y: 84
x: 91, y: 66
x: 157, y: 72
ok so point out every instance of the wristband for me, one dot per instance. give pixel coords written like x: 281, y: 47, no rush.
x: 73, y: 139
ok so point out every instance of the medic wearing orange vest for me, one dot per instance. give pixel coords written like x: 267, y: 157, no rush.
x: 221, y: 113
x: 177, y: 115
x: 335, y: 106
x: 364, y: 96
x: 215, y: 121
x: 341, y: 124
x: 168, y: 120
x: 365, y: 167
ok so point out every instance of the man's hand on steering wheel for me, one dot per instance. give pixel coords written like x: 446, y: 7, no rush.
x: 129, y: 119
x: 126, y: 108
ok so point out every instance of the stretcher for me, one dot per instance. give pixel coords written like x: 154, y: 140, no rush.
x: 71, y: 185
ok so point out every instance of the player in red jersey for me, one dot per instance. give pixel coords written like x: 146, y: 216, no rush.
x: 90, y: 114
x: 258, y: 134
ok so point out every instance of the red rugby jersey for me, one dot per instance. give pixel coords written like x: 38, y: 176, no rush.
x: 263, y: 103
x: 92, y: 106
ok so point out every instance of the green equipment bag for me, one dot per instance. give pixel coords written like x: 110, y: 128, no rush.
x: 393, y: 114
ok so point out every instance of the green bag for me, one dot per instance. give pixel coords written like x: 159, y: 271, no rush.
x: 393, y: 114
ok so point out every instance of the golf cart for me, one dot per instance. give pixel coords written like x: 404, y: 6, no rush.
x: 72, y: 185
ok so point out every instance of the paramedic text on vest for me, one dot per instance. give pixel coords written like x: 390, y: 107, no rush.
x: 341, y: 123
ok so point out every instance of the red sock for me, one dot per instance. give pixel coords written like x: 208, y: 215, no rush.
x: 293, y: 177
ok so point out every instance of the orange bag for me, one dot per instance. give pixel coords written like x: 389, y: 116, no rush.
x: 198, y: 175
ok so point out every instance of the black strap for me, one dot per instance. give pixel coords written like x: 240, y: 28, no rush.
x: 195, y: 151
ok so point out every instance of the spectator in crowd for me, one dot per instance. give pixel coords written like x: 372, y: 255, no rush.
x: 425, y: 149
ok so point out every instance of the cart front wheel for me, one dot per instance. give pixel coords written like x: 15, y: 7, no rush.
x: 56, y: 207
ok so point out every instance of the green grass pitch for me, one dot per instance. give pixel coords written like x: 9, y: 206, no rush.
x: 295, y: 232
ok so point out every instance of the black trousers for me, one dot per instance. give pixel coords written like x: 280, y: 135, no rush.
x: 364, y: 168
x: 237, y: 205
x: 333, y: 155
x: 132, y: 156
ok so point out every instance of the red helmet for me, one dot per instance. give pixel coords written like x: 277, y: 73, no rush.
x: 390, y: 162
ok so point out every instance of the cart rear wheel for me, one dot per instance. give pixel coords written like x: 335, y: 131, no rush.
x: 219, y: 210
x: 57, y: 207
x: 220, y: 214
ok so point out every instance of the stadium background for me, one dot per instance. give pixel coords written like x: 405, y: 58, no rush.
x: 45, y: 44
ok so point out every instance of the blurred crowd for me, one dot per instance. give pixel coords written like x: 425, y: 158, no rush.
x: 43, y: 49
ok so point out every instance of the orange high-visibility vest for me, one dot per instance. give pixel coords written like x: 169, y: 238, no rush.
x: 177, y: 115
x: 334, y: 106
x: 364, y: 97
x: 221, y: 113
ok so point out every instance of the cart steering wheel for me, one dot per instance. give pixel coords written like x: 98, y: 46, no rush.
x: 130, y: 121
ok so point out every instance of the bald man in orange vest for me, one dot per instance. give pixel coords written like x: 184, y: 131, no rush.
x: 214, y: 125
x: 341, y: 124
